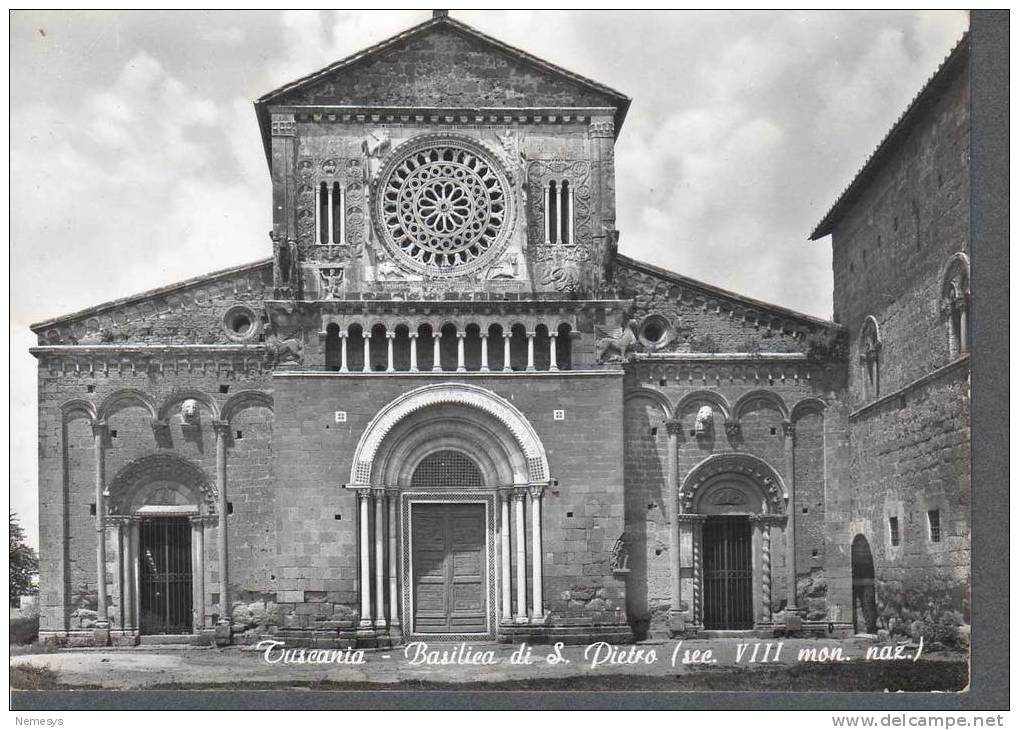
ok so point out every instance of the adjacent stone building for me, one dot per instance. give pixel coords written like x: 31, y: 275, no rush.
x: 448, y: 408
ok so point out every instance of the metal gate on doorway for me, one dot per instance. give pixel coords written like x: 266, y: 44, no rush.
x: 166, y: 575
x: 728, y: 573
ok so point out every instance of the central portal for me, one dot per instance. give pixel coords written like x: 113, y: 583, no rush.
x: 450, y: 586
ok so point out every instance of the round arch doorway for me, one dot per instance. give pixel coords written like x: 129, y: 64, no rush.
x: 864, y: 599
x: 449, y: 566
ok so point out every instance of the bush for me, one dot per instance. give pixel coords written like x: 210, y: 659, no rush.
x: 24, y: 630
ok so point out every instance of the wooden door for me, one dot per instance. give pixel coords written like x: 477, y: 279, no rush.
x: 448, y: 554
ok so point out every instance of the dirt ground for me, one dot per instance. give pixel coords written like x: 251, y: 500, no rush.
x: 669, y: 665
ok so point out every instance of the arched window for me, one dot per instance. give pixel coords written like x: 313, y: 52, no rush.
x: 333, y: 353
x: 329, y: 219
x: 955, y: 304
x: 446, y: 469
x: 870, y: 359
x: 559, y: 212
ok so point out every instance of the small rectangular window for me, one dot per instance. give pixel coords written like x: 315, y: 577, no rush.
x: 934, y: 522
x: 893, y: 530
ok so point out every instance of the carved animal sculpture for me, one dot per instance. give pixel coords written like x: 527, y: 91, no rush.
x: 615, y: 345
x: 279, y: 351
x: 189, y: 411
x: 704, y: 419
x: 504, y: 268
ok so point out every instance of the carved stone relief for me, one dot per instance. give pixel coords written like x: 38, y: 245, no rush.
x: 560, y: 266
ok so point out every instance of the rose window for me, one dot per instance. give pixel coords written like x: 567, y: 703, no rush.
x: 444, y: 207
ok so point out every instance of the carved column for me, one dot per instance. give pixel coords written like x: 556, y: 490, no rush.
x: 136, y: 574
x: 764, y: 522
x: 553, y: 365
x: 530, y: 351
x: 521, y: 557
x: 789, y: 431
x: 436, y: 351
x: 118, y: 578
x: 537, y: 603
x: 367, y: 351
x: 318, y: 212
x: 484, y: 352
x: 697, y: 525
x: 198, y: 550
x: 413, y: 351
x: 504, y: 539
x: 547, y: 194
x: 222, y: 430
x: 99, y: 431
x: 506, y: 337
x: 330, y: 204
x: 126, y: 586
x: 602, y: 134
x: 364, y: 549
x: 380, y: 559
x: 390, y: 336
x: 673, y: 429
x: 460, y: 363
x: 393, y: 497
x: 343, y: 351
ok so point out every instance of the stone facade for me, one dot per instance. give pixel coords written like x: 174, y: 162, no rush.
x: 446, y: 335
x: 900, y: 237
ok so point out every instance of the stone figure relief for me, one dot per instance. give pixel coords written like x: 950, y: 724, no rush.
x: 189, y: 412
x: 619, y: 559
x: 386, y: 270
x: 705, y: 420
x: 375, y: 145
x: 507, y: 267
x: 332, y: 282
x: 615, y: 345
x: 729, y: 497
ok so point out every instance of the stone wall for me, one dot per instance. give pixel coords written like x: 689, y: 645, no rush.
x: 908, y: 445
x: 736, y: 392
x: 582, y: 516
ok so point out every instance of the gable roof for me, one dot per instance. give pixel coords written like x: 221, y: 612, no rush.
x: 438, y: 21
x: 710, y: 290
x: 899, y: 131
x: 261, y: 266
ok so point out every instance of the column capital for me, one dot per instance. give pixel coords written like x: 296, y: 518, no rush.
x: 379, y: 492
x: 483, y: 335
x: 221, y: 428
x: 363, y: 492
x: 393, y: 492
x: 673, y: 427
x: 536, y: 490
x: 343, y: 334
x: 460, y: 334
x: 390, y: 334
x: 691, y: 518
x: 204, y: 520
x: 413, y: 335
x: 788, y: 429
x: 100, y: 428
x: 507, y: 335
x: 519, y: 493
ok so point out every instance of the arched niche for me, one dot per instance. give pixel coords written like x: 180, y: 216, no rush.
x: 161, y: 481
x: 759, y: 487
x: 458, y: 407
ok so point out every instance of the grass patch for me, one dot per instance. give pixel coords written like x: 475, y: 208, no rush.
x: 943, y: 676
x: 26, y: 676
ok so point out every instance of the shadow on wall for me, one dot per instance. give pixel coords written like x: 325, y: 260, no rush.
x: 644, y: 483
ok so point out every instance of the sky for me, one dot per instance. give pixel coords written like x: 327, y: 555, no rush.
x: 136, y: 159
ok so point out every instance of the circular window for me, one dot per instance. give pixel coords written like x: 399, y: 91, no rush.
x: 240, y: 323
x: 443, y: 206
x: 654, y: 331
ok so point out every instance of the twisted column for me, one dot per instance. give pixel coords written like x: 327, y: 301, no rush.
x: 698, y: 572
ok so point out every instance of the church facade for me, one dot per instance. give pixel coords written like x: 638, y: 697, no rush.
x: 448, y: 407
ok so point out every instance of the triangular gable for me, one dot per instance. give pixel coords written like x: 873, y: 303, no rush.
x: 448, y: 64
